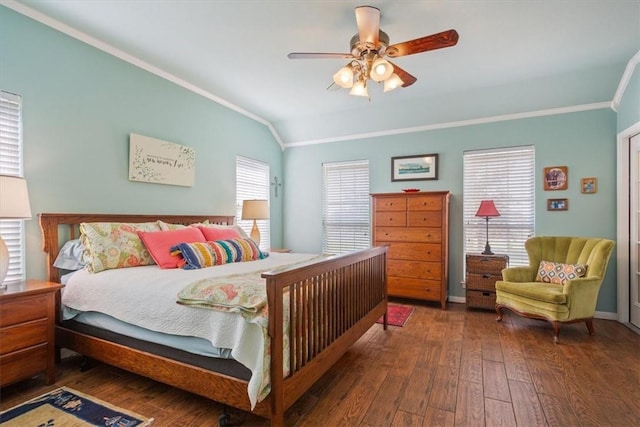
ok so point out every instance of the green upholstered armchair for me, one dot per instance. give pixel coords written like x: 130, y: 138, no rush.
x: 573, y: 301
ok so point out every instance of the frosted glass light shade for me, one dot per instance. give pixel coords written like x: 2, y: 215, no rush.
x: 359, y: 89
x: 392, y: 82
x: 344, y: 77
x: 381, y: 70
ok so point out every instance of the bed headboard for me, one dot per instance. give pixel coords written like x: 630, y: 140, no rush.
x: 57, y: 228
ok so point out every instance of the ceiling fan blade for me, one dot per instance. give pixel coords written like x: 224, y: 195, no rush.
x: 423, y: 44
x: 311, y: 55
x: 407, y: 79
x: 368, y: 20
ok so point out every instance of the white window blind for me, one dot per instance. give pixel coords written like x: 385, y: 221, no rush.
x: 506, y: 176
x: 252, y: 182
x: 12, y: 231
x: 345, y: 206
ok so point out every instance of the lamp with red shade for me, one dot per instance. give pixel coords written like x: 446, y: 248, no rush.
x: 487, y: 209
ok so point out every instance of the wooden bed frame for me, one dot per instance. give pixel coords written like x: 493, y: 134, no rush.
x: 335, y: 302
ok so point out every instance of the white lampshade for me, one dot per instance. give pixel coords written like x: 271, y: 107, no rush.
x: 344, y: 77
x: 381, y: 70
x: 359, y: 89
x: 14, y: 198
x: 392, y: 82
x: 14, y: 204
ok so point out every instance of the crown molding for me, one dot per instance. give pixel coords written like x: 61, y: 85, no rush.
x: 624, y: 81
x: 105, y: 47
x: 460, y: 123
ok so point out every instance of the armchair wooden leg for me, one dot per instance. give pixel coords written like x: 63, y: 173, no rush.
x: 499, y: 311
x: 556, y: 331
x: 590, y: 327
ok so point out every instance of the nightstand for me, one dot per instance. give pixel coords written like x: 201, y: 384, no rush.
x: 27, y: 321
x: 483, y: 271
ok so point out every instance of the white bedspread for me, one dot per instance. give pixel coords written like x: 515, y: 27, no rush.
x: 146, y: 297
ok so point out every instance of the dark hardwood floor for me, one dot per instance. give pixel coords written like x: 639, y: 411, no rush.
x: 444, y: 368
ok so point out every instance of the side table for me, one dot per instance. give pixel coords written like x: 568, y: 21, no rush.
x: 27, y: 322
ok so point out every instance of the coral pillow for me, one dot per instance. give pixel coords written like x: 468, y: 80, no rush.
x: 159, y: 244
x: 219, y: 233
x: 208, y: 254
x: 553, y: 272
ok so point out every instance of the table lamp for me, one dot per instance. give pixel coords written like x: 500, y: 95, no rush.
x: 255, y: 209
x: 487, y: 209
x: 14, y: 204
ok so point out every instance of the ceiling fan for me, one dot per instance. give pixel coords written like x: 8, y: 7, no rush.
x: 368, y: 49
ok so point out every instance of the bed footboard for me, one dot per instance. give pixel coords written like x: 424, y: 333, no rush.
x: 332, y: 303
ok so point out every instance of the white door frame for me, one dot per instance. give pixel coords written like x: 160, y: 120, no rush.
x: 623, y: 221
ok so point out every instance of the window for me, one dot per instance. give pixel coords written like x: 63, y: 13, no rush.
x: 345, y: 206
x: 252, y: 182
x: 12, y: 232
x: 506, y: 176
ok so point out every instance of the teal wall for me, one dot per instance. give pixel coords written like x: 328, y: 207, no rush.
x: 629, y: 108
x: 80, y: 104
x: 583, y: 141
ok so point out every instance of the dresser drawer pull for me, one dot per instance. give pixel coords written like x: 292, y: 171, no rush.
x: 486, y: 276
x: 486, y: 294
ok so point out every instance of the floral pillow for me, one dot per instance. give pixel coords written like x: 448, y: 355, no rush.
x: 115, y: 244
x: 165, y: 226
x: 553, y: 272
x: 207, y: 254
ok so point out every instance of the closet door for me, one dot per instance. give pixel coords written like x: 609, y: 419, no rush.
x: 634, y: 231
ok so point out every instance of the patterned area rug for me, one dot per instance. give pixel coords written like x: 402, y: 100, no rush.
x: 397, y: 315
x: 70, y: 408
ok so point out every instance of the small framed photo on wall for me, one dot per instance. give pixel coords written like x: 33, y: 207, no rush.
x: 589, y: 185
x: 555, y: 178
x: 557, y: 204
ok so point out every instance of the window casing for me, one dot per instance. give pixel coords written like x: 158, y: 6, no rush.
x: 252, y: 182
x: 346, y: 206
x: 11, y: 163
x: 506, y: 176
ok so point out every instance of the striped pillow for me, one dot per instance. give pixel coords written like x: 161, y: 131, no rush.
x: 207, y: 254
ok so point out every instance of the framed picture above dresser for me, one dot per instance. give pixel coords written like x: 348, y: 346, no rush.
x: 415, y: 226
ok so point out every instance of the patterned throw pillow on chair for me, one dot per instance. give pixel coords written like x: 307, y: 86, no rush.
x: 554, y: 272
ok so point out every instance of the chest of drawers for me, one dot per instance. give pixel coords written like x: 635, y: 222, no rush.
x: 27, y: 321
x: 416, y: 228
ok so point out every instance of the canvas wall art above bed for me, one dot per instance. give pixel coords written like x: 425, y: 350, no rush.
x: 192, y: 302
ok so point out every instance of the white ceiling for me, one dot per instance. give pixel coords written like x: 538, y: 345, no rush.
x: 237, y: 51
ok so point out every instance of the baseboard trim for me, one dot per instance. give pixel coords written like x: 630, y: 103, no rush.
x: 606, y: 315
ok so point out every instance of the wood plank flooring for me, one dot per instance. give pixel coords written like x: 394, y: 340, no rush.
x: 444, y: 368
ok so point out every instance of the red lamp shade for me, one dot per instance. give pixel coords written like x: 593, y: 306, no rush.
x: 487, y: 208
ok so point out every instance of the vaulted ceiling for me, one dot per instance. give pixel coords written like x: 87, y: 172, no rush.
x: 513, y: 57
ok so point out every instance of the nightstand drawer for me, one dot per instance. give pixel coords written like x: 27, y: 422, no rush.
x: 23, y: 335
x: 483, y: 282
x: 487, y: 264
x: 23, y: 364
x: 23, y: 310
x: 481, y: 299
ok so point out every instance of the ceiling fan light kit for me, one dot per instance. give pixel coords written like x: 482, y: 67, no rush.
x: 368, y: 49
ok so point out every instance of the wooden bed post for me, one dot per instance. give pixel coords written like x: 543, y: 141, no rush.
x: 276, y: 396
